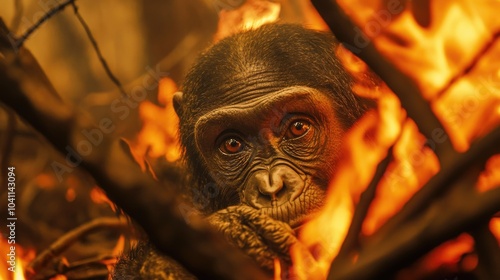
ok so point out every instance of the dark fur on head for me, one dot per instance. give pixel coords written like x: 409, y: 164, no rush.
x: 291, y: 54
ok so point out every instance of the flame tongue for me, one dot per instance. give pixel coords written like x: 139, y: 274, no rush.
x: 158, y: 136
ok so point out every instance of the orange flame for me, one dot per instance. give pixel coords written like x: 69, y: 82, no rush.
x: 495, y: 228
x: 19, y: 272
x: 449, y: 254
x: 158, y: 136
x: 366, y: 144
x: 98, y: 196
x: 438, y: 48
x: 15, y: 270
x: 251, y: 15
x: 448, y: 50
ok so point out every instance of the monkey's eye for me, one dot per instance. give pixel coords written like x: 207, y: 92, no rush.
x: 231, y: 145
x: 297, y: 129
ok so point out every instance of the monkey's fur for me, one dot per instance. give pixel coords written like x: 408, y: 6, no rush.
x: 261, y: 61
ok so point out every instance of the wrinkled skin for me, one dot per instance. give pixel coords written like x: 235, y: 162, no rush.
x: 281, y: 155
x: 262, y: 115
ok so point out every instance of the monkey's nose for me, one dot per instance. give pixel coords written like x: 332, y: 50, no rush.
x: 269, y: 184
x: 274, y: 187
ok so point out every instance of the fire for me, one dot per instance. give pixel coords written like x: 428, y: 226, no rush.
x: 448, y: 50
x: 250, y: 15
x: 22, y: 257
x: 158, y: 136
x: 19, y: 272
x: 449, y: 255
x: 438, y: 47
x: 117, y: 251
x: 365, y: 145
x: 413, y: 165
x: 490, y: 177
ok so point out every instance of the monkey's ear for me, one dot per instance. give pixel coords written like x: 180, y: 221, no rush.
x: 178, y: 103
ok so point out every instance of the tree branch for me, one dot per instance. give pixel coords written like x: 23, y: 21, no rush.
x: 72, y: 237
x: 104, y: 64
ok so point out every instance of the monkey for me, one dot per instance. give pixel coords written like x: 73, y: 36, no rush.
x: 262, y: 116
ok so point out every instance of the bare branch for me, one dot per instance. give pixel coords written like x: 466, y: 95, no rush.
x: 19, y: 42
x: 104, y: 64
x: 72, y: 237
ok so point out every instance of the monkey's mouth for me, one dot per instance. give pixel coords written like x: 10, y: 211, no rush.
x: 296, y: 212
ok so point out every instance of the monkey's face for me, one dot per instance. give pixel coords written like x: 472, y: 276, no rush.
x: 275, y: 152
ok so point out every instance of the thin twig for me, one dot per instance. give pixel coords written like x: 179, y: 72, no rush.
x: 64, y: 242
x: 19, y: 42
x: 96, y: 259
x: 104, y: 64
x: 90, y: 268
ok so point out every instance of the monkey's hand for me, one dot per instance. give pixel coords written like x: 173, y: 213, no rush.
x: 258, y: 235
